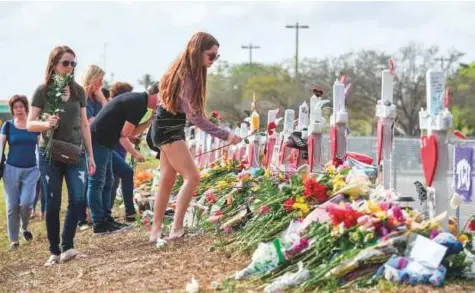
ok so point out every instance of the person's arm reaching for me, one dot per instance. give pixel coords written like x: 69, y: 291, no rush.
x: 130, y: 130
x: 129, y: 147
x: 201, y: 122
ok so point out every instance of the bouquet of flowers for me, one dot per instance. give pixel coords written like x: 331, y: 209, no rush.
x: 55, y: 97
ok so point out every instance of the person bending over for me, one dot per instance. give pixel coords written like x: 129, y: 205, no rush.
x: 118, y: 119
x: 182, y: 96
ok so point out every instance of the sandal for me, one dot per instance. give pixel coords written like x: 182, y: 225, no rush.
x: 176, y: 236
x: 154, y: 237
x: 52, y: 260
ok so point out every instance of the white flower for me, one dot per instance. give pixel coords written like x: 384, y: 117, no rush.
x: 161, y: 243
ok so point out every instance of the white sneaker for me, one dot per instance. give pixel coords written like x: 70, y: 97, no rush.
x: 70, y: 254
x: 52, y: 260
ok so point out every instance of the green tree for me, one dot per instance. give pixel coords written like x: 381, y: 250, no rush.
x: 146, y: 80
x: 462, y: 86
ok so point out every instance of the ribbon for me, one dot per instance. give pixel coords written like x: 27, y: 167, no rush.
x: 269, y: 151
x: 294, y: 158
x: 392, y: 66
x: 333, y: 143
x: 311, y: 150
x: 343, y: 78
x: 379, y: 143
x: 278, y: 249
x: 447, y: 97
x: 282, y: 153
x: 250, y: 155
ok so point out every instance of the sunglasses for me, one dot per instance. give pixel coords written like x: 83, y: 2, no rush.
x: 66, y: 63
x: 213, y: 56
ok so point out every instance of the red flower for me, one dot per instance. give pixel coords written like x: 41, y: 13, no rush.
x: 214, y: 114
x: 315, y: 189
x: 270, y: 127
x: 218, y: 213
x: 471, y: 226
x: 264, y: 210
x: 211, y: 198
x: 288, y: 204
x: 346, y: 215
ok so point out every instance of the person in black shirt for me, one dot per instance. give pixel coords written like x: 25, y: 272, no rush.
x: 118, y: 118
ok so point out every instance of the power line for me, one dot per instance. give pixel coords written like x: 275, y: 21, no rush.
x: 297, y: 26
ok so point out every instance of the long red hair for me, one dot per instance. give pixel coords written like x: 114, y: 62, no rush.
x: 188, y: 64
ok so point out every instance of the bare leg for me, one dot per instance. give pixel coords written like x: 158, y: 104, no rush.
x: 180, y: 158
x: 167, y: 180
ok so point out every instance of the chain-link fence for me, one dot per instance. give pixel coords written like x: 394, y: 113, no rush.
x: 406, y: 167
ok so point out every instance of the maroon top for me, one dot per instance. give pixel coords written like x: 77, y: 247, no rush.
x: 201, y: 122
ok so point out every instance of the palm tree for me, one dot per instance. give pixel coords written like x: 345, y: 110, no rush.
x: 146, y: 80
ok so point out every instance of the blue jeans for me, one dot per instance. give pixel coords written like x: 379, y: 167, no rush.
x: 83, y: 214
x: 19, y: 185
x: 123, y: 171
x: 39, y: 194
x: 52, y: 174
x: 100, y: 184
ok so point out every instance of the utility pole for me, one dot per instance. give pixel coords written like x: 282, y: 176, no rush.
x: 297, y: 26
x: 104, y: 57
x: 250, y: 47
x: 442, y: 59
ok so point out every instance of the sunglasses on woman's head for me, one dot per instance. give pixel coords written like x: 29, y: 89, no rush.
x: 213, y: 56
x: 66, y: 63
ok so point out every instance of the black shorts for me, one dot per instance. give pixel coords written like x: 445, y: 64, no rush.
x: 168, y: 128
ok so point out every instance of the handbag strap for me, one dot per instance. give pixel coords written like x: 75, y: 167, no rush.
x: 7, y: 134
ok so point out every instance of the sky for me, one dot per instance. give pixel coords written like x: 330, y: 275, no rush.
x: 145, y: 37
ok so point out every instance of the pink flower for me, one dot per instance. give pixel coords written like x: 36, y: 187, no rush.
x: 384, y: 206
x: 211, y: 198
x: 264, y: 210
x: 434, y: 233
x: 397, y: 214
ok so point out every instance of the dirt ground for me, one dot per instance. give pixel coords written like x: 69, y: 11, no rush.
x: 125, y: 262
x: 122, y: 262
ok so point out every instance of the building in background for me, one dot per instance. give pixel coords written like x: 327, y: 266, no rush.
x: 4, y: 111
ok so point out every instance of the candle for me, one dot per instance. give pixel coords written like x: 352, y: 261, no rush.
x: 303, y: 116
x: 254, y: 121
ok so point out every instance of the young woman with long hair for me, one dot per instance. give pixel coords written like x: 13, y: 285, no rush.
x: 183, y: 96
x: 70, y: 127
x: 91, y: 81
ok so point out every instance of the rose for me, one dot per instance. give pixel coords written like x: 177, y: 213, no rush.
x: 288, y: 204
x: 315, y: 189
x: 264, y: 210
x: 211, y: 198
